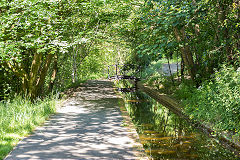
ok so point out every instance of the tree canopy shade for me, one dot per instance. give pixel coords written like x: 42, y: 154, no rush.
x: 38, y: 39
x: 50, y: 45
x: 204, y: 33
x: 30, y: 36
x: 48, y: 40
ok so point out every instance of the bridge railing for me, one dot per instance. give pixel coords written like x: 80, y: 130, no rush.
x: 124, y: 70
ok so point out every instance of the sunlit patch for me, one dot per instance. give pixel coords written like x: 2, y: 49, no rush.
x: 2, y: 142
x: 100, y: 146
x: 150, y: 131
x: 73, y: 109
x: 147, y: 125
x: 120, y: 141
x: 160, y: 151
x: 12, y: 136
x: 134, y: 101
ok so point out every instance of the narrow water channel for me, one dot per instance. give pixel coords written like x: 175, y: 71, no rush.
x: 164, y: 135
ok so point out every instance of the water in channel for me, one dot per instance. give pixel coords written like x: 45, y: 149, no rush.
x: 164, y: 135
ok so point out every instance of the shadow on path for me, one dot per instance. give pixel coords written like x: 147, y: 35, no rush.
x: 88, y: 126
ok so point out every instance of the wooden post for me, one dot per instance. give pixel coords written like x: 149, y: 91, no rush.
x: 135, y: 80
x: 108, y: 73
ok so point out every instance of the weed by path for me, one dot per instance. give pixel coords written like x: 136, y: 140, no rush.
x: 19, y: 117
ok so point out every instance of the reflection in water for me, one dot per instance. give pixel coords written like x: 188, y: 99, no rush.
x: 164, y: 135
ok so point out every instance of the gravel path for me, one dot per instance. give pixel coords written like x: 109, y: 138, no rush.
x: 88, y: 126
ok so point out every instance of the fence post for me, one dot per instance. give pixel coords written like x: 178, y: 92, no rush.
x: 108, y: 73
x: 116, y: 69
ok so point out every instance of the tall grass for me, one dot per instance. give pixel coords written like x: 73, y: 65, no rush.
x: 19, y: 117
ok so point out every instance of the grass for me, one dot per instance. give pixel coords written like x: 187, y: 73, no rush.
x: 19, y: 117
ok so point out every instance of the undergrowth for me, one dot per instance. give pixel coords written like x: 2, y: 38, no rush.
x: 215, y: 103
x: 19, y: 117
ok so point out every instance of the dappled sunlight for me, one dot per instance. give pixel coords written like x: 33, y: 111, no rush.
x: 84, y: 128
x: 72, y: 109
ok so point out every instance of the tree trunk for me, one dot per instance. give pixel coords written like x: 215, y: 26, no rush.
x: 40, y: 81
x: 36, y: 64
x: 186, y: 52
x: 74, y: 65
x: 54, y: 73
x: 182, y: 70
x: 170, y: 71
x: 223, y: 10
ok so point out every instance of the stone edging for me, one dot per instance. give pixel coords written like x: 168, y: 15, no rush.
x: 127, y: 122
x: 177, y: 109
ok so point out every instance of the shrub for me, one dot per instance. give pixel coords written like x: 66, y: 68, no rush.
x: 218, y: 101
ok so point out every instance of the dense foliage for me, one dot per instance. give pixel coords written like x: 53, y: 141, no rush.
x: 30, y: 36
x: 49, y: 45
x: 204, y: 34
x: 216, y: 101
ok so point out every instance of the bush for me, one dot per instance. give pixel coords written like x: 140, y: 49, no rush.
x: 218, y: 101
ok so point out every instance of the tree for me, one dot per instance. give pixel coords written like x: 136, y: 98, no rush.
x: 204, y: 33
x: 30, y: 37
x: 46, y: 42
